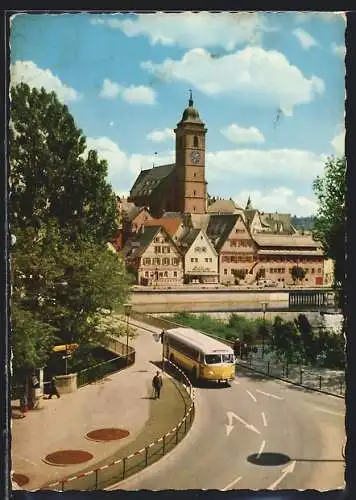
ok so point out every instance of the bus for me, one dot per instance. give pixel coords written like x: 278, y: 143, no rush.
x: 203, y: 357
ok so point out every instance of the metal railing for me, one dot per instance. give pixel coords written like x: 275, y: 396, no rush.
x: 329, y: 381
x: 101, y: 370
x: 124, y: 466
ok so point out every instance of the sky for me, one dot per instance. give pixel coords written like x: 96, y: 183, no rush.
x: 269, y: 87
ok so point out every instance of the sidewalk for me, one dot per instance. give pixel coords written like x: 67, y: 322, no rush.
x: 122, y: 400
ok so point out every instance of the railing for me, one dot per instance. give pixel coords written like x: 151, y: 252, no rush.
x: 323, y: 380
x: 124, y: 466
x: 101, y: 370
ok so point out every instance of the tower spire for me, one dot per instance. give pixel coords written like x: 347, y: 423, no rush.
x: 190, y: 98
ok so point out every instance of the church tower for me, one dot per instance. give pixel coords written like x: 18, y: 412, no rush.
x: 191, y: 192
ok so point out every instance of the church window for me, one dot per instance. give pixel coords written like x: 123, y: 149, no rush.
x: 194, y: 175
x: 194, y: 192
x: 193, y: 209
x: 195, y: 142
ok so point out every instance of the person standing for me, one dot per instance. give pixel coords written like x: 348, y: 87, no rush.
x: 53, y: 389
x: 157, y: 383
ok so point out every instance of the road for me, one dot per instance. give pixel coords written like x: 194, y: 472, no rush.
x: 256, y: 434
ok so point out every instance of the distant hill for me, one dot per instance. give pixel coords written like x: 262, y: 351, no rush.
x: 306, y: 223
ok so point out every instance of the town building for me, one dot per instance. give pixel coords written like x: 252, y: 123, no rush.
x: 200, y: 257
x: 153, y: 258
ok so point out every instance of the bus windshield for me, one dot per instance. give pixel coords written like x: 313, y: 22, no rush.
x: 211, y: 359
x: 228, y: 358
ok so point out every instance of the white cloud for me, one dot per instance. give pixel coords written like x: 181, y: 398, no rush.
x: 160, y: 135
x: 28, y: 72
x: 305, y: 39
x: 139, y: 95
x: 189, y: 30
x: 287, y: 166
x: 338, y: 142
x: 279, y: 199
x: 240, y: 135
x: 134, y: 94
x: 111, y: 124
x: 339, y: 50
x: 303, y: 17
x: 264, y: 77
x: 109, y: 90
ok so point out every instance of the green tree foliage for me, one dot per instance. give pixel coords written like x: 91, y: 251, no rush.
x: 63, y: 213
x: 284, y: 340
x: 298, y: 273
x: 331, y: 215
x: 53, y: 176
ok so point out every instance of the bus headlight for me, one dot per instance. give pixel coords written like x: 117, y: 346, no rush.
x: 211, y: 372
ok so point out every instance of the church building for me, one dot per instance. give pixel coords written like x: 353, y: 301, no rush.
x: 181, y: 186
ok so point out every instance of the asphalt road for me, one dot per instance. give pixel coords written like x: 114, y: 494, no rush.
x: 256, y: 434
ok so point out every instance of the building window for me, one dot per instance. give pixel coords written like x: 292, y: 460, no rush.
x: 191, y: 260
x: 146, y: 273
x: 194, y: 192
x: 165, y: 274
x: 233, y: 243
x: 210, y: 259
x: 157, y: 249
x: 206, y: 260
x: 161, y: 275
x: 313, y: 270
x: 175, y: 274
x: 165, y: 261
x: 225, y: 272
x: 194, y: 175
x: 175, y: 262
x: 319, y: 270
x: 195, y: 142
x: 203, y: 249
x: 193, y: 209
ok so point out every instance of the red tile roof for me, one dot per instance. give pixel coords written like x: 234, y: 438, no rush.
x: 170, y: 225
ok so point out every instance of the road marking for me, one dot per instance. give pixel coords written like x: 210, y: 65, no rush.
x: 27, y: 460
x: 236, y: 382
x: 232, y: 484
x: 262, y: 447
x: 251, y: 396
x: 329, y: 411
x: 264, y: 419
x: 229, y: 426
x: 270, y: 395
x: 287, y: 470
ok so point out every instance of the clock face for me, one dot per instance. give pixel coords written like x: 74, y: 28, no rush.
x: 195, y: 156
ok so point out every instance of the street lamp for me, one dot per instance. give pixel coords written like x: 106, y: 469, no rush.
x: 264, y: 308
x: 127, y: 309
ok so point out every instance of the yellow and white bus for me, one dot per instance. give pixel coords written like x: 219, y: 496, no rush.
x: 203, y: 357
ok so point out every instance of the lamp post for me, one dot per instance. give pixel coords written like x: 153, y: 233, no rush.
x: 127, y: 309
x: 264, y: 308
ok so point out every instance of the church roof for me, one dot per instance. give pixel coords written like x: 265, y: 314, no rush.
x: 149, y: 179
x: 191, y: 114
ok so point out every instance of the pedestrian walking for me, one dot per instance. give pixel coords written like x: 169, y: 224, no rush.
x: 23, y: 404
x: 157, y: 383
x: 53, y: 389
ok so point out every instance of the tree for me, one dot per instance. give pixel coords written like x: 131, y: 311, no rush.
x: 298, y: 273
x: 284, y: 340
x: 309, y: 347
x: 53, y: 176
x: 63, y: 213
x: 239, y: 274
x: 329, y: 226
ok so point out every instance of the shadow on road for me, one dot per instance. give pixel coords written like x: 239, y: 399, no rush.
x: 268, y: 459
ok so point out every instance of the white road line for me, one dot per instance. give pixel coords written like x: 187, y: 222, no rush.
x: 27, y: 460
x: 262, y: 447
x: 251, y: 396
x: 329, y: 411
x: 270, y: 395
x: 264, y: 419
x: 232, y: 484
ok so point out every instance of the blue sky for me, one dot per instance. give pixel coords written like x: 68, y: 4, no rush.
x: 269, y: 86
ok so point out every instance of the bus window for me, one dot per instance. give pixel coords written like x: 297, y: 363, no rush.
x: 228, y: 358
x: 211, y: 359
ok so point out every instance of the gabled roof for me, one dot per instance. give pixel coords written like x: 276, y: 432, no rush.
x: 149, y: 179
x: 278, y: 222
x: 170, y: 225
x: 134, y: 211
x: 189, y: 237
x: 134, y: 247
x: 219, y: 228
x: 223, y: 207
x: 250, y: 214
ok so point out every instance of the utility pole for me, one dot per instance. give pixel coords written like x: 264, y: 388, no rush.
x: 264, y: 308
x: 127, y: 309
